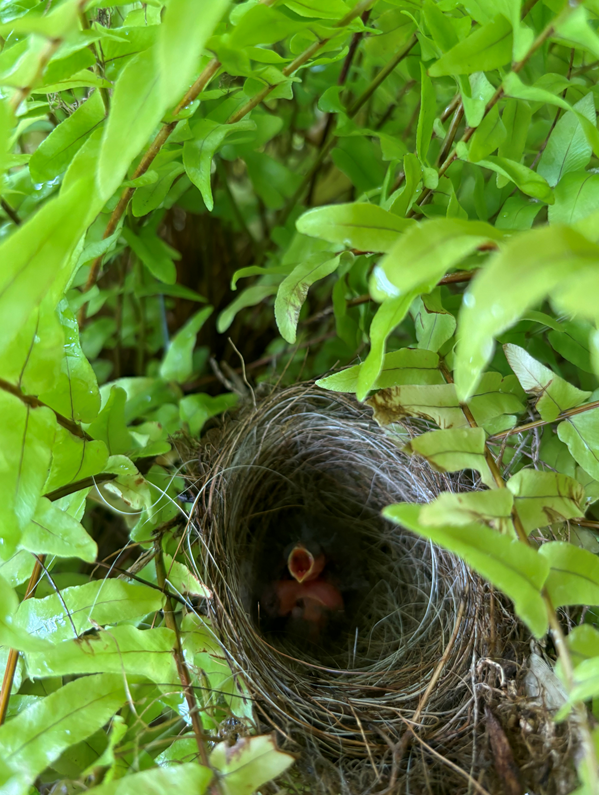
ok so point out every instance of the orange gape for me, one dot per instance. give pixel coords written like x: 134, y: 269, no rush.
x: 302, y: 564
x: 307, y: 597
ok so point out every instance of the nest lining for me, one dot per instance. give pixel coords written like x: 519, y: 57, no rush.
x: 400, y: 669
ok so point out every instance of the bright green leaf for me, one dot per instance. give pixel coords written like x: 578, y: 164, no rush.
x: 509, y: 564
x: 178, y: 363
x: 366, y: 227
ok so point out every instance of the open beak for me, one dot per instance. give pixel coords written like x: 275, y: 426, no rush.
x: 302, y: 564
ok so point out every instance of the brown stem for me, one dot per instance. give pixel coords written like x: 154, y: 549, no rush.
x: 148, y: 158
x: 183, y: 671
x: 12, y: 214
x: 35, y: 403
x: 539, y: 423
x: 78, y: 485
x: 13, y: 654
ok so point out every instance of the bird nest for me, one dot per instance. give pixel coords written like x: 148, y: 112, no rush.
x: 416, y: 684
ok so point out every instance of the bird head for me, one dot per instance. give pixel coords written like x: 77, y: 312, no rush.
x: 303, y: 565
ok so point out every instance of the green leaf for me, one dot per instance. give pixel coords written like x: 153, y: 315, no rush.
x: 148, y: 198
x: 518, y: 213
x: 56, y: 151
x: 516, y: 118
x: 178, y: 362
x: 567, y: 148
x: 74, y: 459
x: 249, y: 764
x: 195, y: 410
x: 320, y: 9
x: 198, y: 153
x: 55, y: 532
x: 488, y: 47
x: 491, y: 508
x: 543, y: 498
x: 181, y: 39
x: 109, y: 426
x: 38, y: 735
x: 453, y: 450
x: 27, y: 436
x: 489, y: 135
x: 555, y: 394
x: 440, y: 403
x: 36, y: 257
x: 249, y: 297
x: 581, y: 434
x: 388, y: 316
x: 75, y: 394
x: 405, y: 366
x: 205, y: 653
x: 188, y: 777
x: 434, y: 325
x: 97, y: 602
x: 514, y: 87
x: 426, y: 252
x: 529, y: 267
x: 12, y: 636
x: 576, y: 197
x: 152, y: 253
x: 118, y: 650
x: 32, y: 360
x: 426, y: 116
x: 573, y: 574
x: 527, y: 180
x: 519, y: 571
x: 366, y: 227
x: 293, y: 291
x: 401, y: 201
x: 178, y: 577
x: 476, y: 91
x: 136, y: 109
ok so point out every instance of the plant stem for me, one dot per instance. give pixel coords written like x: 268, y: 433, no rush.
x: 539, y: 423
x: 13, y: 654
x: 12, y: 214
x: 35, y: 403
x: 169, y: 618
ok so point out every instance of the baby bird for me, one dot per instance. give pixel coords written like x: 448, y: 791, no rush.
x: 308, y: 600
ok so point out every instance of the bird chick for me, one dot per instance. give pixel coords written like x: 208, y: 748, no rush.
x: 307, y: 601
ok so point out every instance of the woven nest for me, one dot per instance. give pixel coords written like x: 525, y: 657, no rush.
x: 418, y: 685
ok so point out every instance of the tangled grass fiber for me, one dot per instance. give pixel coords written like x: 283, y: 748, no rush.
x: 404, y: 696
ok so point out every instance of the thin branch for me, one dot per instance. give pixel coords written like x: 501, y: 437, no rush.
x: 35, y: 403
x: 12, y: 214
x: 78, y: 485
x: 188, y: 691
x: 539, y: 423
x: 13, y: 654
